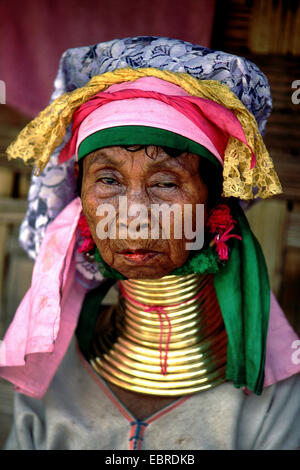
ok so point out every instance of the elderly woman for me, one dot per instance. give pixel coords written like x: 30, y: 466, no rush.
x: 144, y: 153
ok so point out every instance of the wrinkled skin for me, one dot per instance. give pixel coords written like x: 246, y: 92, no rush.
x: 155, y: 178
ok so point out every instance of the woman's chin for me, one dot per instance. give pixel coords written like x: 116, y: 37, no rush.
x: 154, y: 267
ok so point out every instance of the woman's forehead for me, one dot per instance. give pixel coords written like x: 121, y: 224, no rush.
x: 150, y: 156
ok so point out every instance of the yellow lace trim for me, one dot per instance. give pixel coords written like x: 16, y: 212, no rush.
x: 40, y: 137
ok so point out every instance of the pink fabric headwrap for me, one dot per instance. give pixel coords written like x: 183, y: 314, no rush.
x: 150, y: 101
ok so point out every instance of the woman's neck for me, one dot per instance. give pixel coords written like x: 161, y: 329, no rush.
x: 166, y: 337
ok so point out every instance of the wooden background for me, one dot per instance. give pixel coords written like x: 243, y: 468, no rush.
x: 268, y: 33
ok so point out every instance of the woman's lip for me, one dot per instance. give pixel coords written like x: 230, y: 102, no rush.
x: 137, y: 250
x: 139, y: 256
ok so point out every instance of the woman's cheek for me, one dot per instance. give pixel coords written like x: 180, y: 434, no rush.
x: 105, y: 251
x: 177, y: 252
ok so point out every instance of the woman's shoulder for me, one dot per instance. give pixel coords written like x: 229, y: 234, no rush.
x: 271, y: 420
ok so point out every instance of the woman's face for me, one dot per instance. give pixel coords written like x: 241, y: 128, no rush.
x: 156, y: 178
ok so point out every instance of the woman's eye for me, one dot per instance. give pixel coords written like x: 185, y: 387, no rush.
x: 107, y: 180
x: 166, y: 185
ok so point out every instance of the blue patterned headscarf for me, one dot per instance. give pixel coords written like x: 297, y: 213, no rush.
x: 51, y: 191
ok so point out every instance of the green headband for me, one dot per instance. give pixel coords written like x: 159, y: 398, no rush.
x: 141, y: 135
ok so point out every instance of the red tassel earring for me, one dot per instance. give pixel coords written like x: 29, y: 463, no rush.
x: 220, y: 223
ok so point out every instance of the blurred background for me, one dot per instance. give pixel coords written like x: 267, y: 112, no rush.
x: 32, y: 40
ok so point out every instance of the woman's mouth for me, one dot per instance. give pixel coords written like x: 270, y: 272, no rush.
x: 139, y: 256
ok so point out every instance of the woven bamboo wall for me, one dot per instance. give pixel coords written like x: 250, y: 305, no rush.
x: 15, y: 267
x: 258, y: 26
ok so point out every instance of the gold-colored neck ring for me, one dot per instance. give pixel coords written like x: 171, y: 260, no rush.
x: 168, y: 337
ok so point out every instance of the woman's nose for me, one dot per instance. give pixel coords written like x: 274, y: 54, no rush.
x: 137, y: 194
x: 134, y: 214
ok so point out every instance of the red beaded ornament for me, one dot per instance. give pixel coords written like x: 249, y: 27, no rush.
x: 220, y: 223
